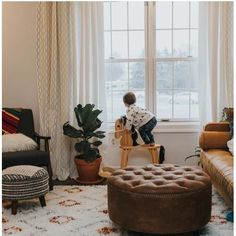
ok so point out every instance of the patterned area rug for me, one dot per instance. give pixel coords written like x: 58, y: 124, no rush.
x: 82, y: 210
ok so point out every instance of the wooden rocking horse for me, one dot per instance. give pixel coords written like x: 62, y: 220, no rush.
x: 128, y: 142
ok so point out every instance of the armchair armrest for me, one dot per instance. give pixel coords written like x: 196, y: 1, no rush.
x: 45, y: 138
x: 217, y: 126
x: 214, y: 140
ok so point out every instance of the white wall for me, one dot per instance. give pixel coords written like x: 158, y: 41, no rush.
x: 178, y: 145
x: 19, y: 87
x: 19, y: 56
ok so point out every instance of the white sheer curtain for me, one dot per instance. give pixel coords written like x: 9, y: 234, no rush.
x: 70, y: 70
x: 215, y: 59
x: 90, y: 36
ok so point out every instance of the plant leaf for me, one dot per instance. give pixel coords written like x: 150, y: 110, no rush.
x: 100, y: 134
x: 82, y: 147
x: 97, y: 143
x: 92, y: 154
x: 78, y: 114
x: 71, y: 131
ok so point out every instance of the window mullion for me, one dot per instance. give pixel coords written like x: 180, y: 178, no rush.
x: 151, y: 49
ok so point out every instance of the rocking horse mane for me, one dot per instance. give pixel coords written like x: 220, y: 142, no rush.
x: 128, y: 138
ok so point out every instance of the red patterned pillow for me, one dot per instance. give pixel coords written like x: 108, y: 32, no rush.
x: 10, y: 120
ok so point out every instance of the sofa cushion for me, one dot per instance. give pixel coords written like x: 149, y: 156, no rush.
x: 218, y: 164
x: 34, y: 157
x: 214, y: 140
x: 17, y: 142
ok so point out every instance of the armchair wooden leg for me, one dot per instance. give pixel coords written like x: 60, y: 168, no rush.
x: 14, y: 207
x: 42, y: 201
x: 49, y: 169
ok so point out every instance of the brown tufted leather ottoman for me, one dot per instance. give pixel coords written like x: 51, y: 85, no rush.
x: 161, y: 199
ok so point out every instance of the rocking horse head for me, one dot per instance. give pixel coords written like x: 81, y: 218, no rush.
x: 119, y: 127
x: 128, y: 138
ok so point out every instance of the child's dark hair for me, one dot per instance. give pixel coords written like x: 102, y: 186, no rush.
x: 129, y: 98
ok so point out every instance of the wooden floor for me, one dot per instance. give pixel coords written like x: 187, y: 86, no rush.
x: 70, y: 181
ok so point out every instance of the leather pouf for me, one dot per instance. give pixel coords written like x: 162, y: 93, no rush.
x: 160, y: 199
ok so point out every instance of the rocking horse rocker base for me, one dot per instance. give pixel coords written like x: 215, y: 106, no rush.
x: 126, y: 151
x: 127, y: 144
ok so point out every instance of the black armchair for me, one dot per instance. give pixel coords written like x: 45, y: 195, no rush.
x: 33, y: 157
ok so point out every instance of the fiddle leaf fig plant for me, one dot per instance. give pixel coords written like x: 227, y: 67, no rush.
x: 88, y: 136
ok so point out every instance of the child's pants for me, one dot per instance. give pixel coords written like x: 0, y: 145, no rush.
x: 145, y: 131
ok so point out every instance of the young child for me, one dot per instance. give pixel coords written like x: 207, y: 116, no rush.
x: 143, y: 120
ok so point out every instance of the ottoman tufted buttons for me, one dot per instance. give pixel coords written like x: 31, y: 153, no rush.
x: 167, y: 168
x: 178, y: 172
x: 148, y: 199
x: 157, y: 172
x: 147, y: 176
x: 190, y: 176
x: 135, y: 183
x: 148, y: 168
x: 158, y: 182
x: 168, y: 177
x: 127, y: 177
x: 187, y: 169
x: 139, y: 172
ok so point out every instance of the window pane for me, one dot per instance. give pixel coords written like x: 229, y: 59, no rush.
x: 194, y: 114
x: 136, y: 15
x: 108, y: 85
x: 136, y: 44
x: 107, y: 46
x: 194, y: 74
x: 119, y: 15
x: 181, y: 75
x: 136, y: 76
x: 107, y: 19
x: 194, y: 43
x: 181, y: 14
x: 164, y: 105
x: 163, y: 43
x: 181, y: 104
x: 108, y: 75
x: 119, y: 45
x: 194, y: 14
x: 118, y: 105
x: 163, y: 15
x: 140, y: 98
x: 164, y: 75
x: 181, y: 43
x: 119, y: 75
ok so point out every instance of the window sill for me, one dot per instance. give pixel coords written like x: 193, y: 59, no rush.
x: 168, y: 127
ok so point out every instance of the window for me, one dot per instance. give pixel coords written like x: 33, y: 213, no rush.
x: 151, y: 49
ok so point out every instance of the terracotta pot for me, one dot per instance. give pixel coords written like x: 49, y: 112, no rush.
x: 88, y: 172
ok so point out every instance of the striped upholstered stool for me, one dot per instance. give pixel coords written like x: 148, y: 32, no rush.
x: 24, y: 182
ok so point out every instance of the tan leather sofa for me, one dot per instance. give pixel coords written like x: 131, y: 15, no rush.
x: 216, y: 160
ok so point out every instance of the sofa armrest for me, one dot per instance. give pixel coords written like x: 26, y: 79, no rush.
x: 217, y: 126
x: 214, y: 140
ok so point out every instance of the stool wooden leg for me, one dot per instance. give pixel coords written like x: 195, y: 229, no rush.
x: 127, y: 156
x: 153, y: 152
x: 42, y: 201
x: 14, y: 207
x: 124, y: 157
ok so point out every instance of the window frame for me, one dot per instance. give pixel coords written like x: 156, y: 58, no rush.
x: 150, y: 59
